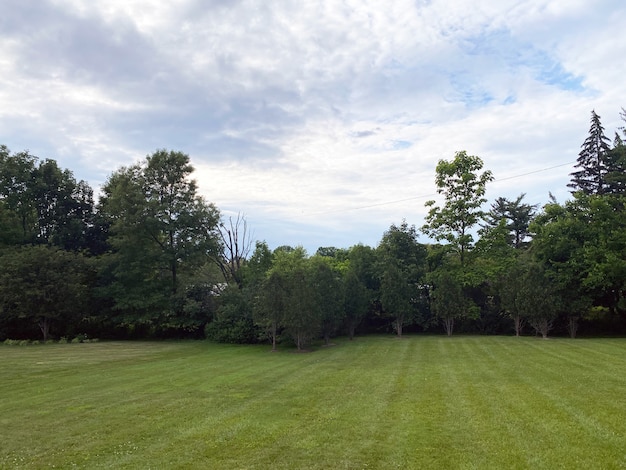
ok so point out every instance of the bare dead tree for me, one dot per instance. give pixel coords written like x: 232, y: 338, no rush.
x: 235, y: 246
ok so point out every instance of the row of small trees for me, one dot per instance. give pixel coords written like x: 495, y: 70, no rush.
x: 154, y: 258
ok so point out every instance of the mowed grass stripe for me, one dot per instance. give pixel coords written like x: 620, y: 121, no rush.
x: 377, y: 402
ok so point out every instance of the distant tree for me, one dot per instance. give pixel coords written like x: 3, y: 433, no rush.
x: 463, y: 190
x: 537, y: 299
x: 44, y: 285
x: 234, y: 247
x: 402, y: 266
x: 258, y: 265
x: 592, y: 161
x: 396, y: 296
x: 233, y: 322
x: 516, y: 216
x: 448, y: 299
x: 159, y: 229
x: 19, y: 217
x: 582, y: 245
x: 300, y: 319
x: 616, y: 162
x: 328, y: 295
x: 270, y: 308
x: 356, y: 301
x: 42, y: 203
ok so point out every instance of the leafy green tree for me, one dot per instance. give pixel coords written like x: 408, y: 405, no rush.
x: 397, y: 297
x: 44, y: 285
x: 356, y: 301
x: 592, y: 161
x: 65, y: 207
x: 463, y: 189
x: 233, y: 322
x: 18, y: 215
x: 537, y: 299
x: 301, y: 316
x: 160, y: 228
x: 492, y: 257
x: 403, y: 265
x: 328, y: 296
x: 270, y: 308
x: 448, y: 299
x: 41, y: 203
x: 582, y: 245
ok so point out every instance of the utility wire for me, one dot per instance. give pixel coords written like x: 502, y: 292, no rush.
x: 397, y: 201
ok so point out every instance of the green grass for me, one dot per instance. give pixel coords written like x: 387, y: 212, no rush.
x: 376, y: 402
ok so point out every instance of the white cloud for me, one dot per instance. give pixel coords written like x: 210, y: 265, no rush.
x: 322, y: 120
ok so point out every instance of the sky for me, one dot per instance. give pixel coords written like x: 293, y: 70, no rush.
x: 321, y: 121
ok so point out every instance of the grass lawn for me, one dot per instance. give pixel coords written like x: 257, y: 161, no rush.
x: 375, y: 402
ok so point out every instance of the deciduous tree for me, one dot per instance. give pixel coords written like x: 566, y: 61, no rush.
x: 159, y: 226
x: 463, y: 189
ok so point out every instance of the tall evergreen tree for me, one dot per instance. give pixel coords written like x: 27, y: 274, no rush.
x: 516, y: 216
x: 592, y: 161
x: 616, y: 162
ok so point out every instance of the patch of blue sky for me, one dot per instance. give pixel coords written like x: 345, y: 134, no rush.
x: 466, y: 88
x: 552, y: 73
x: 514, y: 54
x: 400, y: 144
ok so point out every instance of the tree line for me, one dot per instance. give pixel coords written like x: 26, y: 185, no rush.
x: 152, y: 258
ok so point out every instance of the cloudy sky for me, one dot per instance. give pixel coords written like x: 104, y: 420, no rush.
x: 320, y: 120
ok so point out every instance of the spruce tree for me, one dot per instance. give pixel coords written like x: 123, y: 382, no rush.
x: 592, y: 161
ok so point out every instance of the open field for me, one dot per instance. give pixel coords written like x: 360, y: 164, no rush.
x: 376, y: 402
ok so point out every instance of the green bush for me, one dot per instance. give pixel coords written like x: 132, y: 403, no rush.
x: 63, y: 340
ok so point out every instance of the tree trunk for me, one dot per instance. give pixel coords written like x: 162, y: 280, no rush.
x: 448, y: 323
x: 572, y: 326
x: 399, y: 328
x: 519, y: 324
x: 273, y: 333
x: 44, y: 325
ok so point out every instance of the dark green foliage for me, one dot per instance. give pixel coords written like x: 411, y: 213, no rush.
x: 327, y: 288
x: 448, y: 299
x: 402, y: 265
x: 592, y: 161
x: 233, y: 321
x: 162, y: 255
x: 41, y: 203
x: 162, y: 233
x: 270, y: 307
x: 516, y: 217
x: 356, y: 301
x: 44, y: 286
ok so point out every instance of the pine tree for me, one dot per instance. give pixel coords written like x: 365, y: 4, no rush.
x: 592, y: 161
x: 616, y: 163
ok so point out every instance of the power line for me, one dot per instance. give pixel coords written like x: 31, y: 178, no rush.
x: 413, y: 198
